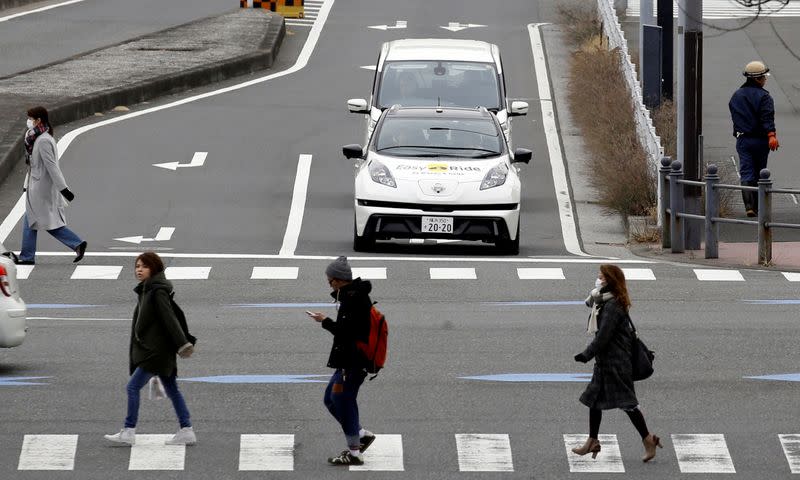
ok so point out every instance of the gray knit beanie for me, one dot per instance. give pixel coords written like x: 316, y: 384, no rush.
x: 340, y: 269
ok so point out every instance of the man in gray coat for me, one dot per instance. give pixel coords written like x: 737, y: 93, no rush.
x: 44, y: 205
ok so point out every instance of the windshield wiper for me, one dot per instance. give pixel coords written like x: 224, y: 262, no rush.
x: 446, y: 129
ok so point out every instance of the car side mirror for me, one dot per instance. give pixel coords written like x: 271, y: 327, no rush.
x: 353, y: 151
x: 518, y: 109
x: 522, y: 155
x: 357, y: 105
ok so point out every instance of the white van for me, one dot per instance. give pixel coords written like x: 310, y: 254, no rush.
x: 431, y: 72
x: 13, y: 311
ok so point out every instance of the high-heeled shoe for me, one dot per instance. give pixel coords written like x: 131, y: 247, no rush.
x: 592, y: 446
x: 650, y: 443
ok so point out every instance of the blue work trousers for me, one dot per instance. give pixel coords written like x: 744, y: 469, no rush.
x: 29, y: 235
x: 753, y: 153
x: 340, y: 398
x: 138, y: 380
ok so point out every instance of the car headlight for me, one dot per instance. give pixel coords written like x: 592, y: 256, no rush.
x: 495, y: 177
x: 381, y: 174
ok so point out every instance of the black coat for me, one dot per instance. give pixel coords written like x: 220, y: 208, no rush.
x: 612, y: 380
x: 156, y: 334
x: 352, y: 324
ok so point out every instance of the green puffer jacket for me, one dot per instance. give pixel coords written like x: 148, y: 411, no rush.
x: 156, y: 334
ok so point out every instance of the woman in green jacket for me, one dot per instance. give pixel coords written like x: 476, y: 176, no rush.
x: 156, y: 336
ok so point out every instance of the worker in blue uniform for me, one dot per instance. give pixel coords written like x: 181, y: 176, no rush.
x: 753, y: 114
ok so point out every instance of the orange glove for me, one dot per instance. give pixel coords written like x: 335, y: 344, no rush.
x: 773, y: 141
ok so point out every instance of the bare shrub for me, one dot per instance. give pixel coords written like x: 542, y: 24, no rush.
x: 602, y: 107
x: 580, y: 20
x: 665, y: 120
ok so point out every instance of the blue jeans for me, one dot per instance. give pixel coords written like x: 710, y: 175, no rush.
x: 62, y: 234
x: 138, y: 380
x: 340, y: 398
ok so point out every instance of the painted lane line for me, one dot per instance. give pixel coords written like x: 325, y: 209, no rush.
x: 783, y: 377
x: 82, y: 319
x: 96, y: 272
x: 164, y: 234
x: 702, y: 453
x: 552, y: 303
x: 453, y: 274
x: 24, y: 271
x: 38, y: 10
x: 608, y: 461
x: 198, y: 160
x: 150, y: 453
x: 261, y: 453
x: 710, y: 275
x: 187, y: 273
x: 533, y: 377
x: 275, y: 273
x: 256, y: 379
x: 280, y: 305
x: 63, y: 144
x: 385, y: 455
x: 481, y: 452
x: 792, y: 301
x: 48, y: 452
x: 60, y: 306
x: 398, y: 24
x: 569, y: 229
x: 540, y: 273
x: 298, y: 207
x: 792, y: 276
x: 370, y: 273
x: 791, y: 448
x: 21, y: 381
x: 638, y: 274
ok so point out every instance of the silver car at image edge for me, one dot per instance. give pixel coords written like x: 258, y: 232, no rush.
x: 13, y: 311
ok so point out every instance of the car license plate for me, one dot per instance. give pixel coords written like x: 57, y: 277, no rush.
x: 437, y: 224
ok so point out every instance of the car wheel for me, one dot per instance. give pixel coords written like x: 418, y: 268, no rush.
x: 509, y: 247
x: 364, y: 243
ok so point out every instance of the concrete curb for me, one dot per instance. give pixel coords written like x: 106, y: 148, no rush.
x: 64, y: 112
x: 6, y: 4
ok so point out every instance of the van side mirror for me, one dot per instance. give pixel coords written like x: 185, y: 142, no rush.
x: 522, y: 155
x: 353, y: 150
x: 518, y: 109
x: 357, y: 105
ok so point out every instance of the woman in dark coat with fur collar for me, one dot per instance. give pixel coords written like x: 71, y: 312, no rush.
x: 612, y: 381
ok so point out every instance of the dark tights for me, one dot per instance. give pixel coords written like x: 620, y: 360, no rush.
x: 596, y: 416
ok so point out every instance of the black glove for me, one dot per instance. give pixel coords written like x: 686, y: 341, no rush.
x: 581, y: 358
x: 67, y: 194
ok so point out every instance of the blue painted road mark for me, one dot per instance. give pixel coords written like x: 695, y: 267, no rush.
x: 257, y: 379
x: 784, y: 377
x: 534, y: 304
x: 56, y: 306
x: 280, y: 305
x: 533, y: 377
x: 17, y: 381
x: 773, y: 302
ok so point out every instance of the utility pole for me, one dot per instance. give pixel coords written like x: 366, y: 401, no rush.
x: 690, y: 113
x: 645, y: 18
x: 665, y: 21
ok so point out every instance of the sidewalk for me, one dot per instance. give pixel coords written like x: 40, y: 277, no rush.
x: 173, y: 60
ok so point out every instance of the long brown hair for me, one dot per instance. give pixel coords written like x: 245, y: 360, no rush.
x: 41, y: 114
x: 615, y: 284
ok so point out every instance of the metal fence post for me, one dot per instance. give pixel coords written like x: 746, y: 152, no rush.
x: 764, y: 218
x: 676, y: 207
x: 712, y: 211
x: 663, y: 178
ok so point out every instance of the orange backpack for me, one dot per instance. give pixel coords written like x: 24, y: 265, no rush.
x: 375, y: 349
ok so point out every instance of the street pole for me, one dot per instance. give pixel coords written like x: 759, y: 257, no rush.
x: 690, y: 115
x: 645, y: 18
x: 665, y: 21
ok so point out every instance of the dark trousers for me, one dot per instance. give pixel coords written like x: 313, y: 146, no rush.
x: 753, y: 153
x: 340, y: 399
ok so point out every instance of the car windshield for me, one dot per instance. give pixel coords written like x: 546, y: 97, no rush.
x: 436, y: 83
x: 438, y: 137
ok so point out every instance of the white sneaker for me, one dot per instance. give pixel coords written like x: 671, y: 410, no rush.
x: 185, y: 436
x: 126, y: 436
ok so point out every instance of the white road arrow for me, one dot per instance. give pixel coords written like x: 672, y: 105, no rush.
x: 397, y: 24
x: 164, y: 234
x: 198, y: 160
x: 455, y: 26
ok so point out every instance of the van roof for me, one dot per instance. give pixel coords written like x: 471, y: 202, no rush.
x: 447, y: 49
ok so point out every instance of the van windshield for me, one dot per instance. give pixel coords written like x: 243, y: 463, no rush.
x: 435, y: 83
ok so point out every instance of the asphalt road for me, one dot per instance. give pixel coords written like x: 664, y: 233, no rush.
x: 39, y: 38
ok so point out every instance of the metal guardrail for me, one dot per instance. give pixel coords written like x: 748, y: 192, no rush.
x: 671, y: 185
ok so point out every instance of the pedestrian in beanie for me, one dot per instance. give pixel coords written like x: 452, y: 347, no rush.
x: 156, y: 337
x: 352, y: 324
x: 45, y: 191
x: 612, y: 381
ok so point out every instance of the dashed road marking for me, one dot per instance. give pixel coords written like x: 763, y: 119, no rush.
x: 609, y: 460
x: 482, y: 452
x: 48, y: 452
x: 702, y: 453
x: 96, y: 272
x: 275, y: 273
x: 187, y: 273
x: 385, y: 454
x: 150, y: 453
x: 260, y: 453
x: 453, y: 274
x: 710, y: 275
x: 540, y: 273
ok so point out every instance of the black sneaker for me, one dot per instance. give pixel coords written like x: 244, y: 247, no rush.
x: 366, y: 441
x: 345, y: 458
x: 80, y: 250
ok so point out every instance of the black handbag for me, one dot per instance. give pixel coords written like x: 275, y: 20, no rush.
x: 641, y: 357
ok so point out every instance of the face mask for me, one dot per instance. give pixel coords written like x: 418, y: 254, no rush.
x: 29, y: 124
x: 599, y: 283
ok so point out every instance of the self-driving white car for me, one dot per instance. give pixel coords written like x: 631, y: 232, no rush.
x: 437, y: 172
x: 13, y: 311
x: 429, y: 72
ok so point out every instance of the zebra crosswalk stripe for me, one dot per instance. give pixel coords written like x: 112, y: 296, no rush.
x: 385, y: 454
x: 702, y: 453
x: 274, y: 273
x: 150, y: 453
x: 266, y: 453
x: 370, y: 273
x: 540, y: 273
x: 791, y: 448
x: 609, y: 460
x: 638, y: 274
x: 96, y: 272
x: 48, y: 452
x: 187, y: 273
x: 452, y: 274
x: 482, y: 452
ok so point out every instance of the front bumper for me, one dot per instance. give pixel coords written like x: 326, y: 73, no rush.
x: 12, y: 325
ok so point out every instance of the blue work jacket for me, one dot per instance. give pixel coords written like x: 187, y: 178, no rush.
x: 752, y: 111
